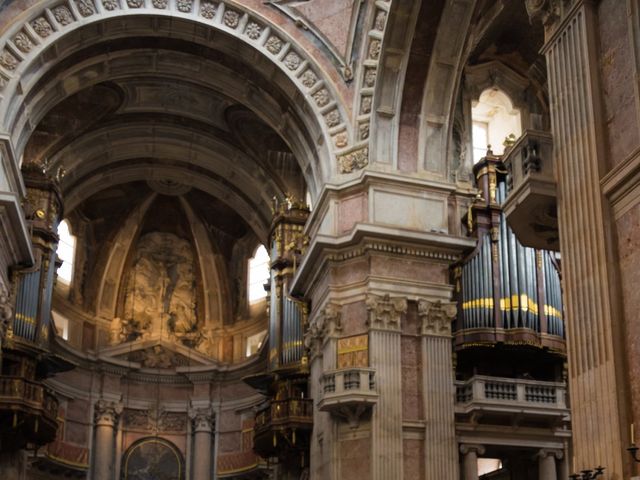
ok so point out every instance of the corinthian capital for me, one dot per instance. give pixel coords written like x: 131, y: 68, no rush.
x: 436, y: 317
x: 201, y: 419
x: 385, y: 312
x: 107, y: 413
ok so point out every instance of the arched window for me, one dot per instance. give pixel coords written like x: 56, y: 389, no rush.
x: 494, y: 119
x: 66, y: 252
x: 258, y: 274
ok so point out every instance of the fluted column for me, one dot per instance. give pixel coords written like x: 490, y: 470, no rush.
x: 441, y: 456
x: 470, y: 460
x: 202, y: 427
x: 106, y: 416
x: 547, y: 469
x: 320, y: 340
x: 589, y: 279
x: 385, y: 353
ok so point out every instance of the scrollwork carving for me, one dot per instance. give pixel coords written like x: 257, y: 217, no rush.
x: 436, y: 317
x: 107, y: 413
x: 385, y: 312
x: 353, y: 161
x: 202, y: 419
x: 327, y: 323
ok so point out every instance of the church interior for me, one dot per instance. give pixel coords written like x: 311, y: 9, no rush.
x: 319, y: 239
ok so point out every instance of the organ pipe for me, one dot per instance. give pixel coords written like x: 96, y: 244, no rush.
x: 506, y: 292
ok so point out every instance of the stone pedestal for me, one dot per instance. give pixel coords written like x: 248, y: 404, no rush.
x: 106, y: 416
x: 202, y: 423
x: 470, y: 461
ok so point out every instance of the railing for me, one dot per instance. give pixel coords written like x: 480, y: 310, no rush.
x: 294, y: 410
x: 17, y: 390
x: 337, y: 382
x: 511, y: 391
x: 348, y: 392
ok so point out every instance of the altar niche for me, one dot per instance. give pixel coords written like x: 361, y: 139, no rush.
x: 152, y: 458
x: 161, y: 291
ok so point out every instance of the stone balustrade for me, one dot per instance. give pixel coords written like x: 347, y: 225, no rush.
x: 348, y: 392
x: 497, y: 393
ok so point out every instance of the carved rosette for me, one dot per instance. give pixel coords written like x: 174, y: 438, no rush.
x: 436, y: 317
x: 107, y: 413
x: 201, y: 419
x: 385, y: 312
x: 327, y: 324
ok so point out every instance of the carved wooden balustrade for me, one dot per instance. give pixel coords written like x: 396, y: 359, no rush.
x: 25, y: 401
x: 289, y: 420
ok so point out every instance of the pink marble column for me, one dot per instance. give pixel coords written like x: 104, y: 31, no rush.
x: 202, y: 422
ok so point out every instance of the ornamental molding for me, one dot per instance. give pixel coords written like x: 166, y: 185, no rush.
x: 472, y: 448
x: 385, y: 312
x: 436, y: 317
x: 106, y: 413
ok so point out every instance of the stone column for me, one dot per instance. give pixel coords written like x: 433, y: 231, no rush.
x: 320, y: 340
x: 470, y: 461
x: 596, y: 373
x: 441, y: 457
x: 385, y: 354
x: 106, y: 416
x: 547, y: 464
x: 202, y: 427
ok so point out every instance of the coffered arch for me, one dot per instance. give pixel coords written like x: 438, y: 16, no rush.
x: 52, y: 32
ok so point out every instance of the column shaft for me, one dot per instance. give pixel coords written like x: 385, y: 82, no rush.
x: 587, y: 270
x: 202, y: 455
x: 547, y: 467
x: 470, y: 465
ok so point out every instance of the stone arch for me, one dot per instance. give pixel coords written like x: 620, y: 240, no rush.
x: 45, y: 33
x: 426, y: 60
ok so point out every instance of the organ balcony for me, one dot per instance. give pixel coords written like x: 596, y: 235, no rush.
x: 29, y: 412
x: 521, y: 400
x: 283, y: 425
x: 348, y: 393
x: 530, y: 206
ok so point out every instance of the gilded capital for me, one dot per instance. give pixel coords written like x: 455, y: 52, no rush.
x: 436, y: 317
x: 385, y: 312
x: 107, y: 413
x: 6, y: 310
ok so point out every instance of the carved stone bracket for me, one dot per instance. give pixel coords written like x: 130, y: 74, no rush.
x: 202, y: 419
x: 436, y: 317
x: 385, y: 312
x: 107, y: 413
x: 328, y: 323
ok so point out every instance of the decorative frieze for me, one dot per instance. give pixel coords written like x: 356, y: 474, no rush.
x: 436, y: 317
x: 385, y: 312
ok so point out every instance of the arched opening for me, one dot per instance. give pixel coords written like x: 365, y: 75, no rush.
x: 258, y: 274
x: 495, y: 123
x: 65, y: 252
